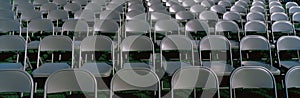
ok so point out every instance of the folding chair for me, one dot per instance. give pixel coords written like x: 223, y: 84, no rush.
x: 71, y: 80
x: 253, y: 51
x: 190, y: 78
x: 16, y: 81
x: 248, y: 76
x: 287, y: 47
x: 218, y: 48
x: 135, y: 79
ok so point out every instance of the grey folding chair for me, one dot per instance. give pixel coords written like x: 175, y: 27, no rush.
x: 38, y: 3
x: 72, y: 7
x: 288, y: 5
x: 60, y: 3
x: 256, y: 27
x: 108, y: 28
x: 89, y: 59
x: 225, y: 4
x: 28, y: 15
x: 291, y: 80
x: 220, y: 10
x: 166, y: 27
x: 274, y: 3
x: 184, y: 51
x: 279, y: 16
x: 52, y: 45
x: 280, y: 28
x: 209, y: 16
x: 189, y: 78
x: 236, y: 17
x: 285, y: 46
x: 258, y: 45
x: 296, y: 20
x: 240, y: 9
x: 184, y: 16
x: 197, y: 9
x: 96, y: 7
x: 58, y: 16
x: 293, y: 10
x: 155, y: 16
x: 35, y: 27
x: 276, y: 9
x: 188, y: 3
x: 24, y: 6
x: 252, y: 77
x: 258, y: 8
x: 46, y: 7
x: 16, y: 45
x: 137, y: 27
x: 77, y: 29
x: 255, y: 16
x: 8, y: 26
x: 135, y: 79
x: 137, y: 43
x: 7, y: 14
x: 220, y: 54
x: 196, y: 29
x: 258, y: 3
x: 67, y: 80
x: 206, y: 3
x: 16, y: 81
x: 87, y: 15
x: 229, y: 29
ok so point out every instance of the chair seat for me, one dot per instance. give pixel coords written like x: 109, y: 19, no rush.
x: 48, y: 68
x: 98, y: 69
x: 171, y: 66
x: 33, y: 45
x: 219, y: 67
x: 11, y: 66
x: 289, y: 64
x: 136, y: 65
x: 273, y: 69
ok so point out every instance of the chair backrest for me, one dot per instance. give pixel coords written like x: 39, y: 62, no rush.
x: 257, y: 8
x: 106, y: 26
x: 137, y: 27
x: 55, y: 43
x: 276, y: 9
x: 291, y: 79
x: 227, y: 26
x: 256, y: 26
x: 6, y: 14
x: 16, y: 81
x: 184, y: 15
x: 278, y: 16
x: 283, y: 27
x: 238, y: 8
x: 177, y: 42
x: 76, y: 26
x: 13, y: 43
x: 288, y: 5
x: 296, y: 17
x: 58, y: 15
x: 255, y: 16
x: 197, y: 25
x: 96, y: 43
x: 195, y: 77
x: 72, y: 7
x: 8, y: 25
x: 293, y: 10
x: 254, y: 42
x: 208, y: 15
x: 252, y: 77
x: 136, y: 43
x: 197, y: 8
x: 71, y: 80
x: 288, y: 43
x: 170, y: 25
x: 215, y: 43
x: 135, y: 79
x: 234, y: 16
x: 218, y: 9
x: 35, y: 26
